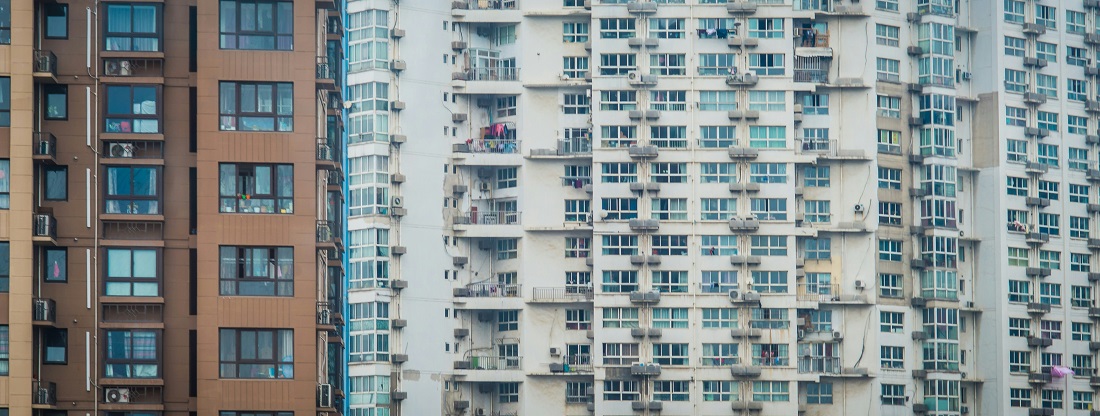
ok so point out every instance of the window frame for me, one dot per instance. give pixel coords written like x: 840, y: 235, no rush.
x: 280, y: 202
x: 231, y: 119
x: 236, y: 362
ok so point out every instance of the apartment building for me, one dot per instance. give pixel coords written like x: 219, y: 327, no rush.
x: 705, y: 207
x: 171, y: 208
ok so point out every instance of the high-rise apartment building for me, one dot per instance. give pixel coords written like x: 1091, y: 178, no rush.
x: 170, y: 208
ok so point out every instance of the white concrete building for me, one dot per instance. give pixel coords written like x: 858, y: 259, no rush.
x: 702, y: 207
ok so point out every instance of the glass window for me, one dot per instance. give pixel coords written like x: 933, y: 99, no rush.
x: 5, y: 265
x: 56, y: 266
x: 132, y: 353
x: 5, y: 27
x: 56, y: 102
x: 57, y: 20
x: 256, y: 353
x: 256, y: 106
x: 133, y: 109
x: 257, y: 24
x: 5, y: 183
x: 4, y: 349
x: 264, y: 189
x: 133, y: 272
x: 257, y: 271
x: 133, y: 27
x: 133, y: 190
x: 55, y: 346
x: 56, y: 182
x: 5, y: 101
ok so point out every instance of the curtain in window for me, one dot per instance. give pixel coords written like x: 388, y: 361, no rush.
x: 145, y: 28
x: 145, y: 181
x: 286, y: 348
x: 145, y: 349
x: 5, y: 183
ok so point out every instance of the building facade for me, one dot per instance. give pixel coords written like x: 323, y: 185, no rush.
x: 171, y: 208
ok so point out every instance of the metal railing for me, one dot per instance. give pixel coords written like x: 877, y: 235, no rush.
x: 493, y: 217
x: 325, y: 151
x: 819, y: 365
x: 326, y: 231
x: 45, y: 61
x: 492, y: 74
x: 501, y: 146
x: 44, y: 310
x: 324, y: 314
x: 578, y: 363
x: 145, y: 149
x: 817, y: 76
x: 45, y: 144
x: 324, y: 69
x: 575, y: 146
x: 44, y: 393
x: 810, y: 38
x: 492, y: 4
x: 495, y: 362
x: 494, y: 290
x: 551, y: 294
x: 45, y: 226
x: 825, y: 293
x: 133, y: 67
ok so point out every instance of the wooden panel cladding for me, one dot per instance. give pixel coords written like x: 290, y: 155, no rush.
x: 259, y: 394
x: 268, y: 312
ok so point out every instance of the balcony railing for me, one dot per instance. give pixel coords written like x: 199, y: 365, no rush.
x: 481, y: 145
x: 132, y: 67
x: 555, y: 294
x: 45, y: 226
x: 819, y: 365
x: 494, y: 290
x: 45, y: 144
x: 44, y: 310
x: 43, y: 393
x: 810, y: 38
x: 326, y: 231
x: 493, y: 217
x: 145, y: 149
x: 495, y: 362
x: 325, y: 151
x: 492, y: 74
x: 814, y: 292
x: 575, y: 146
x: 324, y: 314
x: 45, y: 62
x: 492, y: 4
x: 325, y: 70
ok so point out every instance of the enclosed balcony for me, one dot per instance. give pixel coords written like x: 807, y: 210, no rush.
x: 819, y: 365
x: 489, y: 223
x: 133, y: 67
x: 327, y: 234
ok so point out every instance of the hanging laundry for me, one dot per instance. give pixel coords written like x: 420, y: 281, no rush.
x: 723, y: 33
x: 712, y: 32
x: 702, y: 32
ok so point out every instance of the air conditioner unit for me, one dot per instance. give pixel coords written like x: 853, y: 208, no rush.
x: 484, y: 187
x: 633, y: 75
x: 967, y: 75
x: 838, y: 335
x: 965, y: 409
x: 859, y: 284
x: 118, y: 395
x: 734, y: 295
x: 801, y: 334
x: 118, y: 68
x: 555, y: 351
x: 859, y: 208
x: 479, y: 412
x: 121, y: 150
x: 397, y: 202
x: 324, y: 395
x: 484, y: 244
x: 962, y: 234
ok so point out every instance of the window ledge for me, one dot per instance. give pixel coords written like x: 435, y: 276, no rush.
x: 130, y: 54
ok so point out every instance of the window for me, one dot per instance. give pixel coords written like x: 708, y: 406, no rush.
x: 369, y: 335
x: 1077, y: 90
x: 1047, y: 16
x: 769, y: 281
x: 56, y: 20
x: 1019, y: 291
x: 1078, y: 159
x: 893, y: 394
x: 507, y: 178
x: 668, y: 136
x: 888, y: 5
x: 712, y: 209
x: 1079, y: 262
x: 1082, y: 364
x: 716, y: 63
x: 1015, y: 116
x: 5, y: 345
x: 1048, y: 224
x: 1016, y: 186
x: 717, y: 173
x: 55, y: 346
x: 889, y: 213
x: 889, y: 178
x: 260, y: 189
x: 1019, y: 327
x: 1079, y: 193
x: 577, y: 391
x: 815, y: 104
x: 668, y: 172
x: 364, y: 390
x: 719, y: 245
x: 507, y: 320
x: 577, y: 210
x: 768, y: 173
x: 767, y: 100
x: 578, y: 282
x: 768, y: 137
x: 369, y: 41
x: 1016, y: 150
x: 1014, y: 11
x: 256, y: 106
x: 717, y: 100
x: 507, y: 248
x: 575, y: 104
x: 55, y: 266
x: 889, y: 285
x: 256, y: 353
x: 618, y: 100
x: 258, y: 25
x: 768, y: 245
x: 620, y: 245
x: 766, y: 28
x: 717, y: 136
x: 506, y: 106
x: 621, y: 390
x: 765, y: 64
x: 887, y: 35
x: 666, y: 28
x: 720, y: 390
x: 578, y: 319
x: 889, y: 141
x: 619, y: 172
x: 667, y: 281
x: 133, y: 27
x: 1019, y: 397
x: 891, y: 322
x: 1052, y: 399
x: 1076, y: 56
x: 5, y: 267
x: 617, y: 63
x: 816, y: 176
x: 1014, y: 46
x: 1019, y: 361
x: 889, y: 250
x: 674, y: 209
x: 819, y: 393
x: 1078, y: 227
x: 1050, y: 294
x: 56, y: 183
x: 889, y: 106
x: 620, y: 317
x: 670, y: 354
x: 133, y: 272
x: 888, y: 69
x: 1048, y: 121
x: 892, y: 357
x: 574, y: 32
x: 1050, y: 329
x: 1075, y: 22
x: 617, y: 28
x: 619, y: 281
x: 132, y: 109
x: 719, y: 318
x: 818, y: 248
x: 771, y: 391
x: 1082, y: 400
x: 664, y: 100
x: 55, y: 102
x: 132, y: 354
x: 620, y: 208
x: 718, y: 281
x: 257, y: 271
x: 769, y: 209
x: 817, y: 211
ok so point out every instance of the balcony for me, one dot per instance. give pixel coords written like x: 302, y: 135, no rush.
x: 572, y: 364
x: 476, y: 223
x: 326, y: 234
x: 43, y: 394
x: 489, y: 368
x: 746, y: 79
x: 45, y: 147
x: 811, y: 43
x: 819, y: 365
x: 134, y: 67
x: 822, y: 293
x: 327, y: 316
x: 828, y: 149
x: 45, y: 66
x: 579, y: 147
x: 487, y: 81
x: 45, y: 229
x: 486, y: 11
x: 561, y: 295
x: 326, y: 74
x: 44, y: 311
x: 328, y: 157
x: 489, y: 296
x: 487, y: 151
